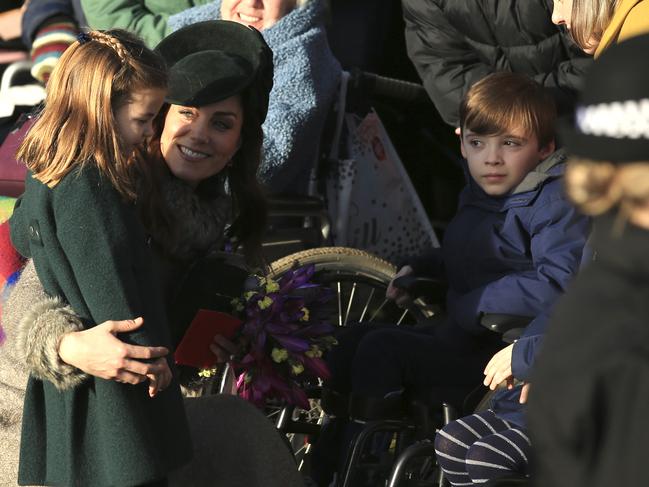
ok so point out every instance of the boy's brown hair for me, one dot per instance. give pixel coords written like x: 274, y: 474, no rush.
x: 94, y: 77
x: 506, y: 101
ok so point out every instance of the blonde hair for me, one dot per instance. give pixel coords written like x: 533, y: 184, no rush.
x: 589, y: 19
x: 504, y: 101
x: 597, y: 187
x: 77, y: 126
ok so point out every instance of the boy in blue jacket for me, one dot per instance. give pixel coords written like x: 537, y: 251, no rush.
x: 512, y: 248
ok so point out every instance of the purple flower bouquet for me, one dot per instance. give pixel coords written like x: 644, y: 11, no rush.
x: 283, y: 335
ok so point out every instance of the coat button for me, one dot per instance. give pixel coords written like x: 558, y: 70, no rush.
x: 32, y: 231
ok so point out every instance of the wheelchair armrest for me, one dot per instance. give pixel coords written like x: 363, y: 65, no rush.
x: 509, y: 326
x: 297, y: 205
x: 427, y: 287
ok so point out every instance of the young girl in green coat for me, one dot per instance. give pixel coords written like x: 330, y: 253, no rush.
x: 78, y: 223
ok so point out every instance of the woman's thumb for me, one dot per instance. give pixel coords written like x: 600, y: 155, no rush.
x: 125, y: 326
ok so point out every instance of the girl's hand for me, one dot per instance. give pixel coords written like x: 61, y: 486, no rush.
x: 159, y: 377
x: 223, y: 348
x: 97, y: 351
x: 399, y: 296
x: 499, y: 369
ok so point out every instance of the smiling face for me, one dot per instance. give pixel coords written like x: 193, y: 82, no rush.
x: 498, y: 163
x: 198, y: 143
x: 260, y: 14
x: 135, y: 116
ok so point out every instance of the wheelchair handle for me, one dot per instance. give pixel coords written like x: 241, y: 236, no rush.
x: 396, y: 89
x: 509, y: 326
x: 420, y: 286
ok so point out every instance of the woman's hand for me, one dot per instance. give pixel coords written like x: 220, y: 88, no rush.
x: 223, y: 348
x: 399, y: 296
x: 97, y: 351
x: 499, y: 369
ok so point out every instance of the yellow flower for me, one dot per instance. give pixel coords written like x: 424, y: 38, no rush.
x: 265, y: 303
x: 305, y: 316
x: 279, y: 354
x: 207, y: 373
x: 248, y: 295
x: 271, y: 286
x: 313, y: 352
x: 297, y: 368
x: 236, y: 304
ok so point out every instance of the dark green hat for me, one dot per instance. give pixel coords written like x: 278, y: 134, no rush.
x: 213, y: 60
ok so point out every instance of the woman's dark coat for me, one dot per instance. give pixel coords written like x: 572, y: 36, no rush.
x: 454, y: 43
x: 90, y: 249
x: 590, y: 388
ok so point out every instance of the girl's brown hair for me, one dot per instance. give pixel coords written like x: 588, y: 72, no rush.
x: 589, y: 19
x: 505, y: 101
x: 93, y: 78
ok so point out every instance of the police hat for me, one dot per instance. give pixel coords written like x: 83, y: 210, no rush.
x: 612, y: 118
x: 213, y: 60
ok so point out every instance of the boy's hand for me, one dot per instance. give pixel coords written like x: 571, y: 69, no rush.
x: 223, y: 348
x: 98, y: 352
x: 399, y: 296
x: 499, y: 369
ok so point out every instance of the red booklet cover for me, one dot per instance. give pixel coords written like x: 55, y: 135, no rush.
x: 194, y: 348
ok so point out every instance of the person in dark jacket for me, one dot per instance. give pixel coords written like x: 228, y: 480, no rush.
x: 455, y: 43
x: 512, y: 248
x: 587, y: 409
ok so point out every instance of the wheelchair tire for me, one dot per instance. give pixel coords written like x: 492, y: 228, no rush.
x: 357, y: 277
x: 359, y: 280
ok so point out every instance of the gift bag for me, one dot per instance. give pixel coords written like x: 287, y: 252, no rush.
x: 371, y: 200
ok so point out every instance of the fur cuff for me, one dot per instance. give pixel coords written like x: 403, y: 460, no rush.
x: 37, y: 341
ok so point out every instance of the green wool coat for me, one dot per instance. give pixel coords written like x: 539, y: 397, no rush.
x: 146, y: 18
x: 90, y: 249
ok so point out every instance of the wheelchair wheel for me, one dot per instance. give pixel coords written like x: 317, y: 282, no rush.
x: 359, y: 281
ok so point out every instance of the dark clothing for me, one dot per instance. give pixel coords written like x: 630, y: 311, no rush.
x: 480, y: 448
x: 388, y: 358
x: 90, y: 249
x: 454, y: 43
x: 590, y: 388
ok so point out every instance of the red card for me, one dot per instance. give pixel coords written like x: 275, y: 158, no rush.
x: 194, y: 348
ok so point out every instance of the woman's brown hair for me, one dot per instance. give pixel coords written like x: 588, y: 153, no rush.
x: 249, y: 209
x: 94, y: 76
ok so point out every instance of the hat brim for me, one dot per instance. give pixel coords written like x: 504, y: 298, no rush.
x: 208, y: 85
x: 599, y: 147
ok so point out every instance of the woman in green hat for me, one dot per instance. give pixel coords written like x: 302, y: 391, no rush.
x: 201, y: 164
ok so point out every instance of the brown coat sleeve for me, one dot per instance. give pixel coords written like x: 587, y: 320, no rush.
x: 35, y: 323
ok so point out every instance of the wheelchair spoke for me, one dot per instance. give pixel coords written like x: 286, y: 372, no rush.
x: 349, y: 303
x: 340, y: 304
x: 367, y: 305
x: 403, y: 315
x: 378, y: 310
